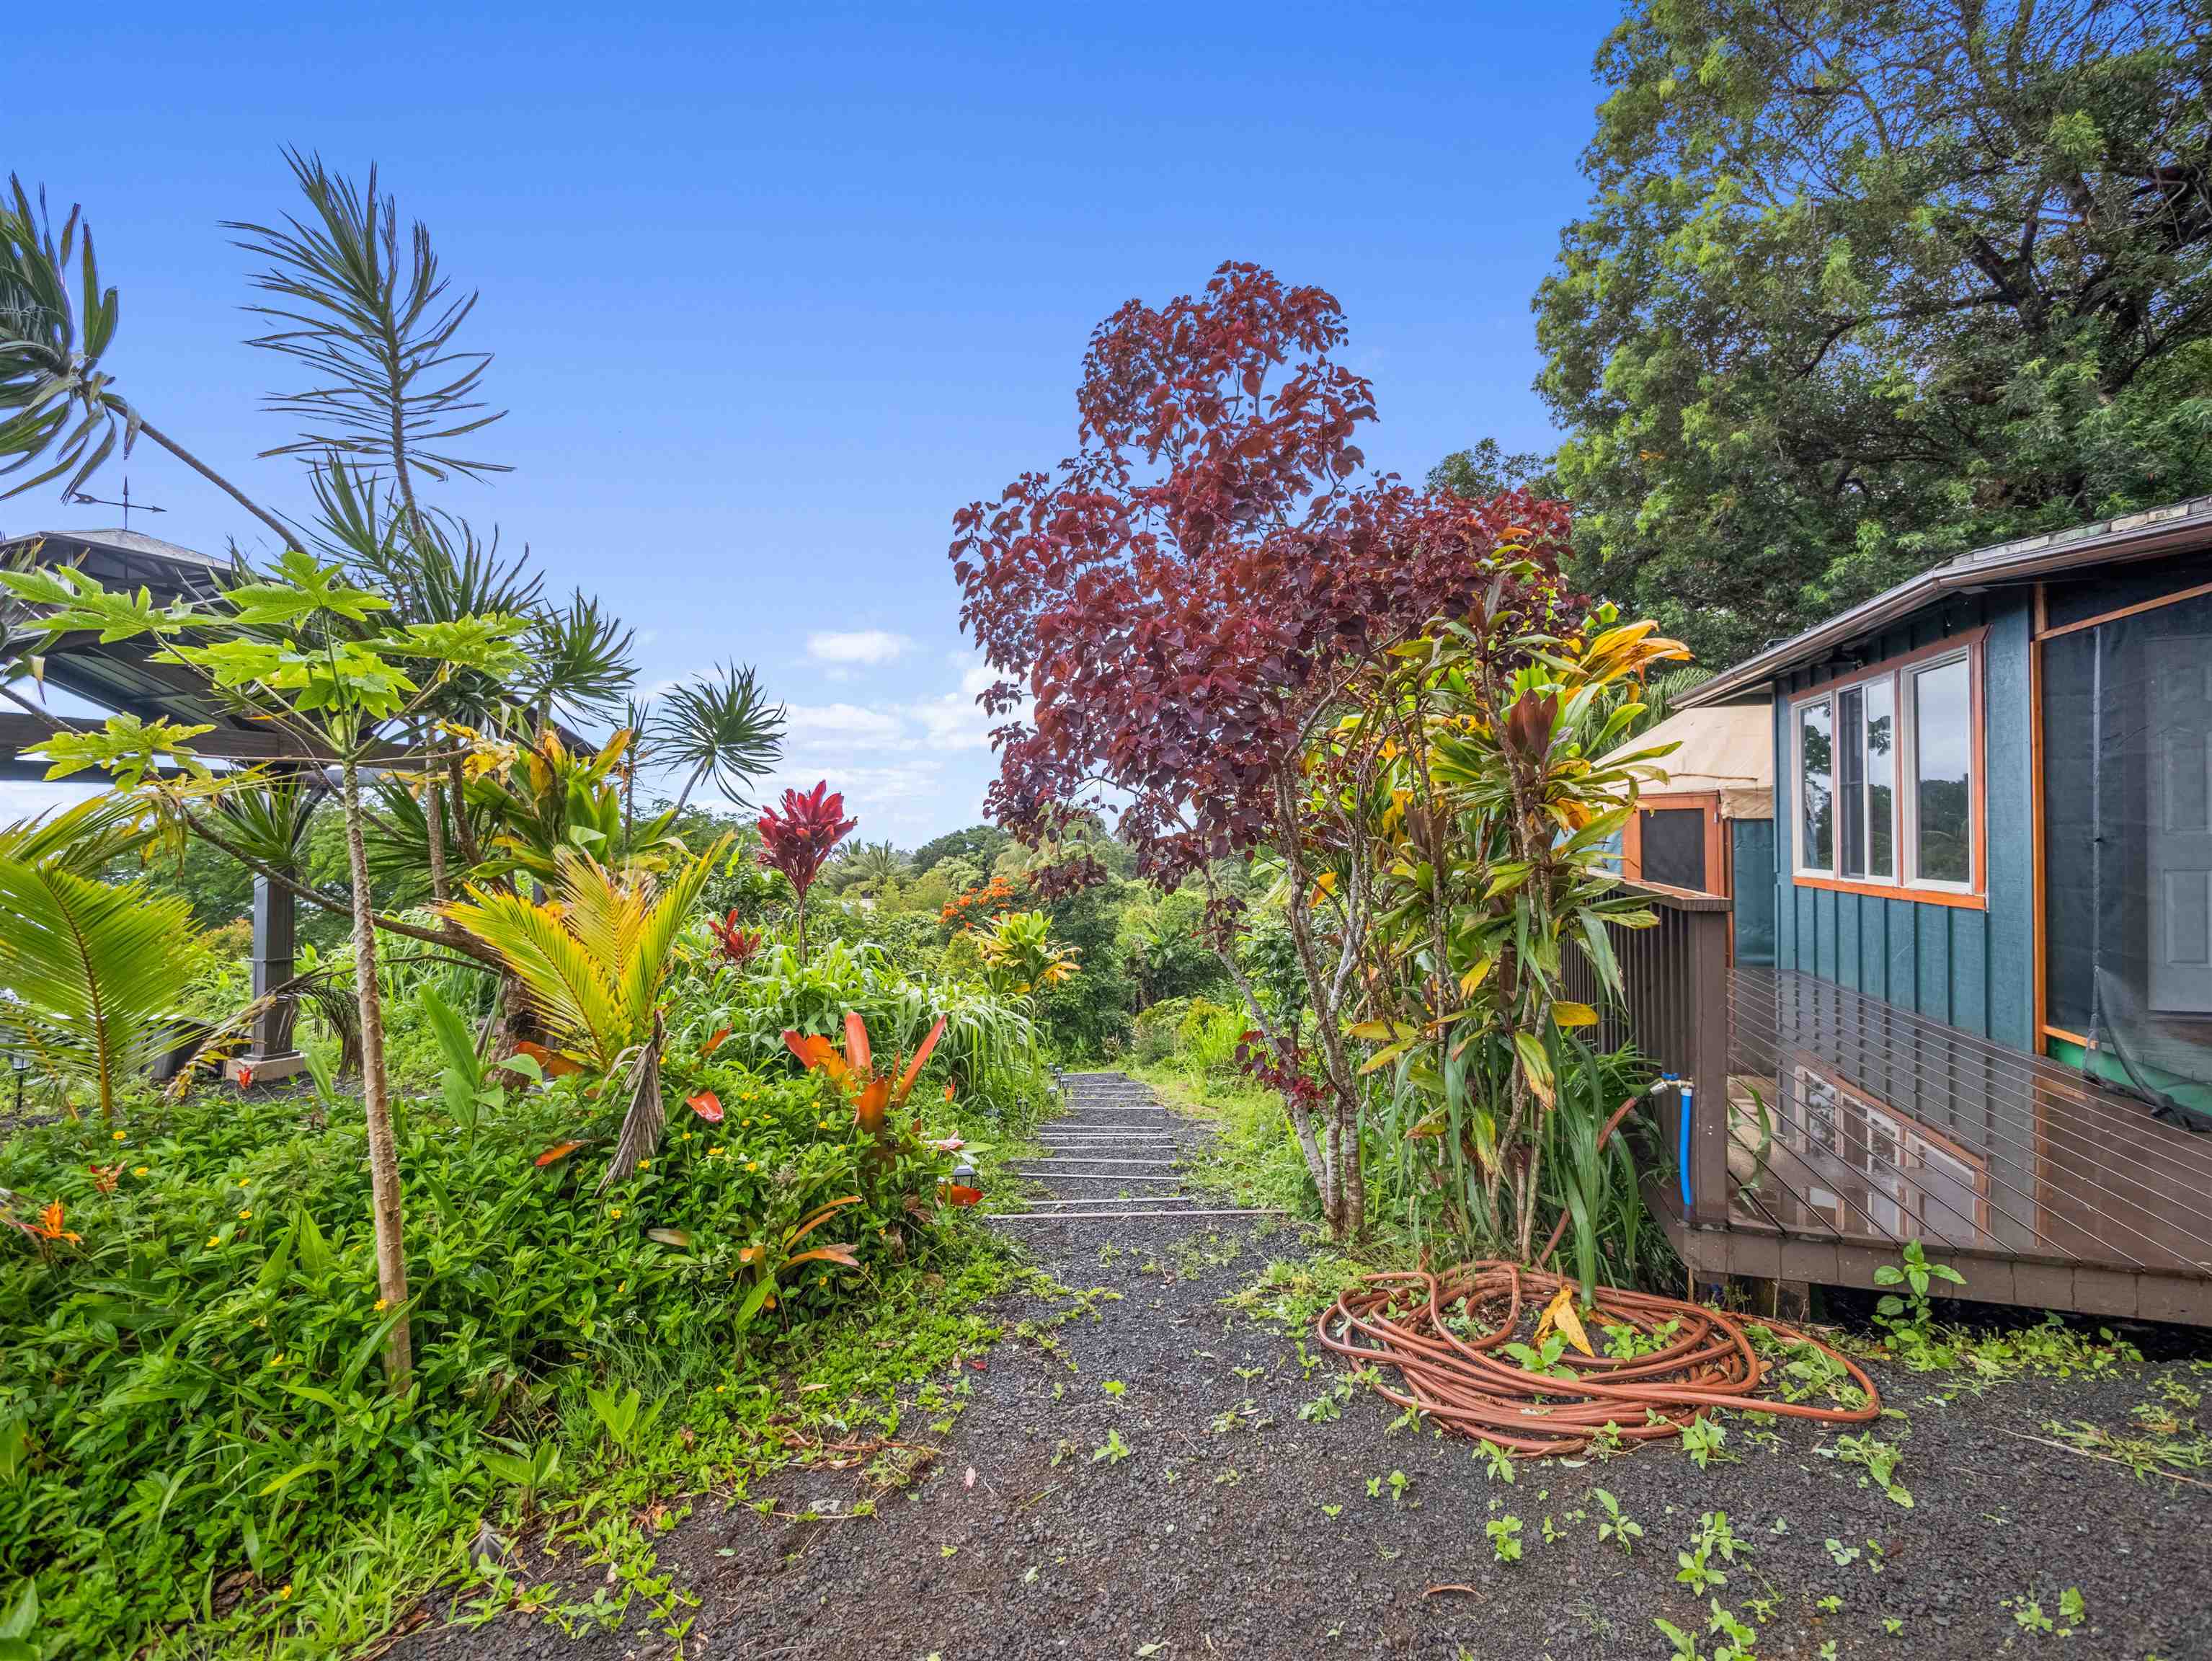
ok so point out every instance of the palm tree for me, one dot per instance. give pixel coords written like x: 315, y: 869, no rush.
x: 721, y: 724
x: 87, y: 969
x: 591, y: 962
x: 872, y: 866
x: 59, y: 403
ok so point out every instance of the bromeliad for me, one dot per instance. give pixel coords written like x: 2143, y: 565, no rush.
x: 873, y: 1093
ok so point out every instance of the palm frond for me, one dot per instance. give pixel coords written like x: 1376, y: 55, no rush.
x: 570, y: 991
x: 377, y: 331
x: 86, y: 837
x: 89, y: 970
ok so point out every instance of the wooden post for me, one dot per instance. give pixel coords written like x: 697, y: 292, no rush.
x: 1708, y: 1064
x: 270, y: 1055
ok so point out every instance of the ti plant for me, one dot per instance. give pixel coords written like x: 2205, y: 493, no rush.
x: 797, y: 838
x: 1472, y: 791
x: 1020, y: 957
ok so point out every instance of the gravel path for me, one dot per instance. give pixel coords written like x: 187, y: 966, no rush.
x: 1232, y: 1526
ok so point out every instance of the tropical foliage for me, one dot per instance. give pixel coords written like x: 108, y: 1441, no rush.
x: 89, y: 969
x: 1860, y: 287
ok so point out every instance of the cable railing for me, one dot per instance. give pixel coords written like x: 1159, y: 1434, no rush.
x: 1883, y: 1125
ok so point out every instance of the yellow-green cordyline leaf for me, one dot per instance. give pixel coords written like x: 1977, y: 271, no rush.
x: 1379, y: 1031
x: 1574, y: 1014
x: 1535, y: 1066
x: 1382, y: 1058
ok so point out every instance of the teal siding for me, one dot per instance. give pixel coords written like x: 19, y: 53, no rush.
x: 1971, y: 969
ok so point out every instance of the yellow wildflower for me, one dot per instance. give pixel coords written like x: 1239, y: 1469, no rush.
x: 615, y: 1212
x: 283, y: 1592
x: 752, y: 1164
x: 120, y: 1136
x: 214, y: 1240
x: 382, y: 1304
x: 139, y: 1171
x: 645, y: 1164
x: 277, y: 1359
x: 245, y: 1216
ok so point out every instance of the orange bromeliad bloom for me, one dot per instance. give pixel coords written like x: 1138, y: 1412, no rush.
x: 874, y: 1094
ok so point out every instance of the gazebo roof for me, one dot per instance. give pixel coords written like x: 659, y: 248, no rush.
x: 121, y: 675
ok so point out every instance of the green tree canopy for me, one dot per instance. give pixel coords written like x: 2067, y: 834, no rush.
x: 1863, y: 284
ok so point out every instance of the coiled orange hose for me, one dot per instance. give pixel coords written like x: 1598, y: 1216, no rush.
x: 1404, y: 1321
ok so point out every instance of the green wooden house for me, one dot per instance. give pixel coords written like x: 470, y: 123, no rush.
x: 1988, y: 1023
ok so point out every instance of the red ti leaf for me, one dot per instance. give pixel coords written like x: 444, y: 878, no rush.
x: 707, y: 1104
x: 721, y: 1036
x: 556, y: 1154
x: 959, y: 1194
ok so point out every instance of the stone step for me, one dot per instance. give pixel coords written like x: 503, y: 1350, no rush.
x: 1097, y: 1216
x: 1092, y: 1177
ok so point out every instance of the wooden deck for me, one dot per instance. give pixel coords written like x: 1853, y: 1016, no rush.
x: 1847, y: 1127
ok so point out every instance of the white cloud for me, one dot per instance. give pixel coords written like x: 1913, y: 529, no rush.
x: 25, y: 799
x: 861, y: 646
x: 853, y: 724
x: 956, y: 721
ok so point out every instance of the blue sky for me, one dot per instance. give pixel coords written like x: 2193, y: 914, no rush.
x: 772, y: 291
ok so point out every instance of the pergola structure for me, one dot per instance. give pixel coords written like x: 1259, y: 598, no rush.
x: 122, y: 676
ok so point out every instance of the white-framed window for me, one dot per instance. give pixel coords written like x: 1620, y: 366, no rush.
x: 1884, y: 774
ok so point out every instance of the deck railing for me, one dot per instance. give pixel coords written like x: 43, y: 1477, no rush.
x: 1673, y: 1008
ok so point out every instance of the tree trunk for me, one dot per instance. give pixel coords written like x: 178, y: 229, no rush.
x: 376, y: 1102
x: 802, y: 929
x: 433, y: 819
x: 1301, y: 1115
x: 285, y: 538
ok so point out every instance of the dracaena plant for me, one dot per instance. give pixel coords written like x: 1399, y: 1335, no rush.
x: 797, y: 835
x: 1465, y: 803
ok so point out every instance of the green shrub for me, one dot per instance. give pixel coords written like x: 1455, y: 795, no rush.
x: 1207, y: 1036
x: 190, y: 1410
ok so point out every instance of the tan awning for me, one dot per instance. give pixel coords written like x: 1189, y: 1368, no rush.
x: 1726, y: 748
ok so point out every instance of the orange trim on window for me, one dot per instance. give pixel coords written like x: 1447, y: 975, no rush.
x: 1971, y: 641
x: 1890, y: 891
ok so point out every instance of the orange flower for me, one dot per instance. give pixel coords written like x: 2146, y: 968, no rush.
x: 49, y: 1226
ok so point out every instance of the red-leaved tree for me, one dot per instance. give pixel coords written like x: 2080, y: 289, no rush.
x: 1190, y: 593
x: 797, y: 835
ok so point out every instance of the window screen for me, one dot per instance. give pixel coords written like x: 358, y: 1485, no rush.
x: 1675, y: 846
x: 2127, y: 788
